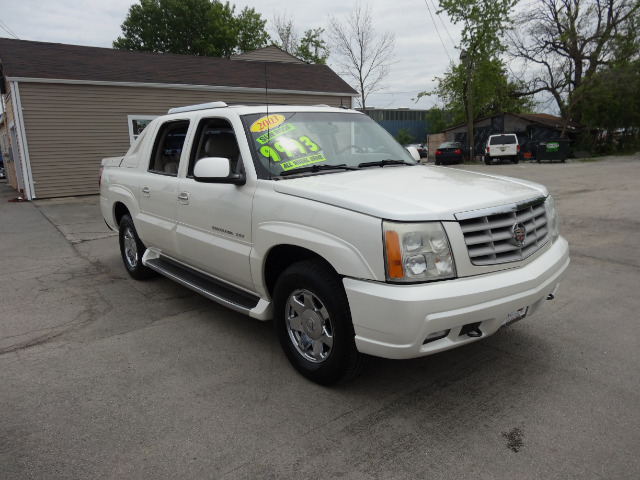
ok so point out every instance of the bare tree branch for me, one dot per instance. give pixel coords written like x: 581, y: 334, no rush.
x: 362, y: 56
x: 569, y: 41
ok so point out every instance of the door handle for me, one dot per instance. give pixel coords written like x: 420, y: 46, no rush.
x: 146, y: 191
x: 183, y: 198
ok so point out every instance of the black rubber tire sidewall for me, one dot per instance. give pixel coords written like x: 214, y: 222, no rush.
x: 345, y: 361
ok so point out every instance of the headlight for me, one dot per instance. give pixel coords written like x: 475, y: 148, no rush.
x: 417, y: 252
x: 552, y: 218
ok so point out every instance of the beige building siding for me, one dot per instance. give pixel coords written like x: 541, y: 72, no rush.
x: 70, y: 128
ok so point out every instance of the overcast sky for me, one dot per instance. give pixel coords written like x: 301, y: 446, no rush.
x: 423, y: 50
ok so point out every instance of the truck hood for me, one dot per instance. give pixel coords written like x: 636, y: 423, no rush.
x: 416, y: 193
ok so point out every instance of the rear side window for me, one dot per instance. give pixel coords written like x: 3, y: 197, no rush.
x: 168, y: 147
x: 503, y: 140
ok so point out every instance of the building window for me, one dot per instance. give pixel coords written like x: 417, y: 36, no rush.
x: 137, y: 123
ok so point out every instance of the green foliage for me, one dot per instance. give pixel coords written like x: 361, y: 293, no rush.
x: 492, y: 91
x: 483, y: 24
x: 436, y: 121
x: 610, y: 103
x: 191, y: 27
x: 252, y: 34
x: 313, y: 48
x: 404, y: 136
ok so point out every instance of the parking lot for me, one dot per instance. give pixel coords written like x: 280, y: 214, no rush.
x: 105, y: 377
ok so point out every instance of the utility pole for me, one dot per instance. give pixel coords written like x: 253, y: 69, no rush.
x: 470, y: 143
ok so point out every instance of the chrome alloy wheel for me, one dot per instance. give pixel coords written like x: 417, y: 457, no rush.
x: 130, y: 248
x: 309, y: 326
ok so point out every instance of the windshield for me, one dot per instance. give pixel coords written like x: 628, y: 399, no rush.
x: 284, y: 142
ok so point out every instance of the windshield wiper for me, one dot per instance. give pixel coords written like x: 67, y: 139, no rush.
x: 384, y: 163
x: 316, y: 168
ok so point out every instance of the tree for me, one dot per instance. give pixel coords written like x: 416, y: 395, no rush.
x: 436, y: 121
x: 569, y: 41
x: 191, y: 27
x: 492, y: 91
x: 363, y: 56
x: 404, y: 136
x: 611, y: 102
x: 312, y: 47
x: 483, y: 25
x: 251, y: 32
x: 284, y: 32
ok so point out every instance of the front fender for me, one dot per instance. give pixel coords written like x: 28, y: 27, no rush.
x: 345, y: 257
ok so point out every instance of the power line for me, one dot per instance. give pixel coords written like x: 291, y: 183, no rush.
x: 444, y: 26
x: 8, y: 30
x: 437, y: 31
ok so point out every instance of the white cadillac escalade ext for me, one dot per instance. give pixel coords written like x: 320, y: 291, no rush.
x: 317, y: 218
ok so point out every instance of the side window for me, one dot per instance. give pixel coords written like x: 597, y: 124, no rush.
x: 215, y: 138
x: 168, y: 147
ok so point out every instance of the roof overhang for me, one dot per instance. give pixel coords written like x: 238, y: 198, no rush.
x: 210, y: 88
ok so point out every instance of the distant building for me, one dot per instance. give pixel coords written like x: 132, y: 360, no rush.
x: 530, y: 128
x: 393, y: 120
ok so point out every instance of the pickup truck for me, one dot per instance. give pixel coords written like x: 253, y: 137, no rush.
x: 317, y: 219
x: 502, y: 147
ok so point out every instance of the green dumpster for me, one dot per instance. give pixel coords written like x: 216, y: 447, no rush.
x: 552, y: 150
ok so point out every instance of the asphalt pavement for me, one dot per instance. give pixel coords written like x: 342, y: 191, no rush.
x: 102, y: 376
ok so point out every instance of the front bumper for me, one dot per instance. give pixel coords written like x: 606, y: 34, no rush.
x: 394, y: 321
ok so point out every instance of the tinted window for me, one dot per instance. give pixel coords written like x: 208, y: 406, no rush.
x: 168, y: 147
x: 503, y: 139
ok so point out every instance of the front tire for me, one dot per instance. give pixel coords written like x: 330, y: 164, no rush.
x: 132, y: 249
x: 313, y: 323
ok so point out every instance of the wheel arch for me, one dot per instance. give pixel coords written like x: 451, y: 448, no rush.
x: 281, y: 257
x: 119, y: 211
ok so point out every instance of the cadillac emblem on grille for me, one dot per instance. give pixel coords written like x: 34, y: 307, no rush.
x: 519, y: 233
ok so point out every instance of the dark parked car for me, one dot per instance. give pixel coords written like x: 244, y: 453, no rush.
x: 449, y: 153
x: 421, y: 147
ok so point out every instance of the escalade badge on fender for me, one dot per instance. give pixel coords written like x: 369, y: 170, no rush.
x: 519, y: 233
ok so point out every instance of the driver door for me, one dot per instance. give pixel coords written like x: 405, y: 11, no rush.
x: 214, y: 219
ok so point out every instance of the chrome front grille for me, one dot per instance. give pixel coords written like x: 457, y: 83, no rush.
x: 489, y: 233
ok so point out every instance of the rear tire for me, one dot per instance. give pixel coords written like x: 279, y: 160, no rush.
x: 487, y: 160
x: 515, y: 160
x: 132, y: 249
x: 313, y: 323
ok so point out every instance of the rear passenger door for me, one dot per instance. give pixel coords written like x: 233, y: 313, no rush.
x: 214, y: 219
x: 159, y: 186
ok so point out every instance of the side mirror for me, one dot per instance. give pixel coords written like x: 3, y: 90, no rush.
x: 414, y: 153
x: 216, y: 170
